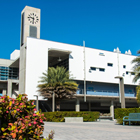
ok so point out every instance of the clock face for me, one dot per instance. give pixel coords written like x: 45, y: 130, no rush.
x: 33, y: 18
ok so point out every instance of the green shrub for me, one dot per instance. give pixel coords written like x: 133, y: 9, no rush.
x: 59, y: 116
x: 19, y: 120
x: 121, y: 112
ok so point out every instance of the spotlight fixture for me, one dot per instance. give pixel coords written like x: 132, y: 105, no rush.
x: 59, y: 59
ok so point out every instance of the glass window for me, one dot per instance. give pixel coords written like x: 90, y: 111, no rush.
x: 126, y: 72
x: 92, y: 68
x: 90, y: 88
x: 132, y: 73
x: 124, y: 66
x: 110, y: 64
x: 101, y: 69
x: 102, y: 54
x: 6, y: 72
x: 130, y: 90
x: 2, y: 67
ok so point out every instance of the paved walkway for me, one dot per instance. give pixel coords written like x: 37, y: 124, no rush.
x: 103, y: 130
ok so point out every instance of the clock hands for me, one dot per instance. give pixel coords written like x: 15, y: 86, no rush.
x: 33, y: 18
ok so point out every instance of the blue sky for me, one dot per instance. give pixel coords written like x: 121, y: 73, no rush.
x: 103, y: 24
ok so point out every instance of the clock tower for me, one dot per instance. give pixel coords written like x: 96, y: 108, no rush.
x: 30, y: 27
x: 30, y: 23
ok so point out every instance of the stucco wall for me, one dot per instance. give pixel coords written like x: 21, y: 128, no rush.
x: 37, y: 62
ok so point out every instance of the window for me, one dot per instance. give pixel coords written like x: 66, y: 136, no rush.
x: 8, y: 73
x: 110, y: 64
x: 101, y: 69
x: 90, y: 88
x: 130, y: 90
x: 89, y: 70
x: 0, y: 92
x: 102, y: 54
x: 33, y: 31
x: 124, y: 66
x: 132, y: 73
x: 126, y: 72
x: 92, y: 68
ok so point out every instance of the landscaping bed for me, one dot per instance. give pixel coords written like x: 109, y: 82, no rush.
x: 88, y: 116
x: 121, y: 112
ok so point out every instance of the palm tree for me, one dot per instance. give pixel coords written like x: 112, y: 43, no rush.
x: 136, y: 67
x: 57, y: 80
x: 138, y: 95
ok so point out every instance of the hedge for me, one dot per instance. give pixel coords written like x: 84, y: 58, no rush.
x: 121, y: 112
x: 59, y: 115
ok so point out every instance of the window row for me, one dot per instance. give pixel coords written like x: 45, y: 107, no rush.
x: 94, y: 69
x: 8, y: 73
x: 132, y: 73
x: 111, y: 65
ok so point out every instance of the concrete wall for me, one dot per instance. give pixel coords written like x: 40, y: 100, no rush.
x: 22, y: 69
x: 5, y: 62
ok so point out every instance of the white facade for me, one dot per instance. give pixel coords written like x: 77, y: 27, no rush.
x: 37, y: 63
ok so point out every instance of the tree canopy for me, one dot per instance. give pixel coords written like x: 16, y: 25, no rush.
x: 136, y: 67
x: 138, y: 95
x: 57, y: 80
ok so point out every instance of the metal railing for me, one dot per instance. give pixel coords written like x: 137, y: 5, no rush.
x: 106, y: 93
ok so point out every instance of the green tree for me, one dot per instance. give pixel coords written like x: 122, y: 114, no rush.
x: 136, y: 67
x: 57, y: 80
x: 138, y: 95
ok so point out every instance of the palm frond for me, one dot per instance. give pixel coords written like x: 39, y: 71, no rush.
x: 57, y: 80
x: 136, y: 67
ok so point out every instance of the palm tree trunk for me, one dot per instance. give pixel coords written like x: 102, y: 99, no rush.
x: 58, y: 105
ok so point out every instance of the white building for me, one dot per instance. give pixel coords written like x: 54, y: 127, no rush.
x: 98, y: 67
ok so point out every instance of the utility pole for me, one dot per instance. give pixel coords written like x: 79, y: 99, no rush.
x: 36, y: 102
x: 84, y: 72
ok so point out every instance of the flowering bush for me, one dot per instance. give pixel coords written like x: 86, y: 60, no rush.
x: 19, y: 120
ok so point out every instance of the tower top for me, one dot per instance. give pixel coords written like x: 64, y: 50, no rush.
x: 30, y: 9
x: 30, y: 23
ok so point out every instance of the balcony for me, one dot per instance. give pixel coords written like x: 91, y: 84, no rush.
x: 105, y: 93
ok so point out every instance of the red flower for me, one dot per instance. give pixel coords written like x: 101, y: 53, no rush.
x: 35, y: 122
x: 34, y: 109
x: 34, y: 114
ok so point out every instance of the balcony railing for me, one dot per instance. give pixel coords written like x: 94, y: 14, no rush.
x: 105, y: 93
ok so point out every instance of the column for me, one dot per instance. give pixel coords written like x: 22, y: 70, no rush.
x: 9, y: 88
x: 89, y: 106
x: 53, y: 102
x: 3, y: 92
x: 112, y: 109
x: 77, y: 106
x: 122, y: 93
x: 121, y: 89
